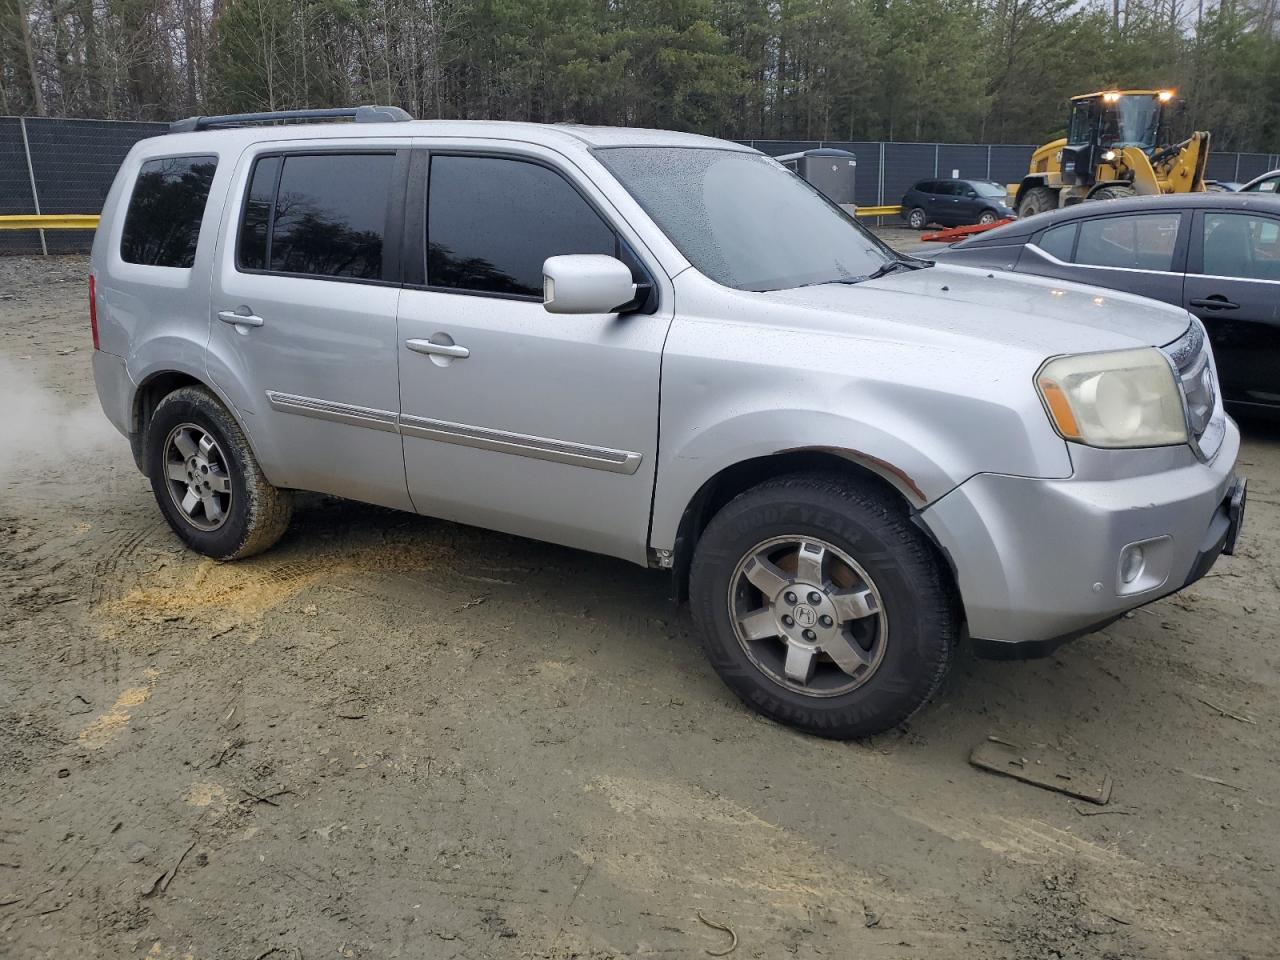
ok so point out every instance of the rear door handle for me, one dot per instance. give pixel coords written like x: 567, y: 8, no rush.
x: 439, y: 349
x: 240, y: 319
x: 1216, y: 302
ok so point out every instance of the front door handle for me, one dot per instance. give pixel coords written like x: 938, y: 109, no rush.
x: 438, y: 349
x: 1215, y: 302
x: 240, y: 319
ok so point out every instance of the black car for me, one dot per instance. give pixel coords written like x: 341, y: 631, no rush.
x: 1216, y: 254
x: 954, y: 203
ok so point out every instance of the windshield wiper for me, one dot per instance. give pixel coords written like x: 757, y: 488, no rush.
x: 900, y: 263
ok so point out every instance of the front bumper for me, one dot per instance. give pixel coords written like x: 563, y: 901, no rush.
x: 1038, y: 562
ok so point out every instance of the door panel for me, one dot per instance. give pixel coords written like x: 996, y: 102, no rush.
x: 1235, y: 291
x: 1136, y: 253
x: 547, y: 427
x: 312, y: 369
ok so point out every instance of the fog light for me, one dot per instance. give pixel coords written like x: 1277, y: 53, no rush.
x: 1132, y: 560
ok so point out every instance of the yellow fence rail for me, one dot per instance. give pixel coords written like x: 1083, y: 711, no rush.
x: 879, y: 211
x: 49, y: 221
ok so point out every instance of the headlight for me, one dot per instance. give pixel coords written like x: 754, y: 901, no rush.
x: 1124, y: 399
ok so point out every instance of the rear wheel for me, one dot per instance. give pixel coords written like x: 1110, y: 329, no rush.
x: 822, y: 606
x: 1115, y: 192
x: 208, y: 482
x: 917, y: 219
x: 1037, y: 200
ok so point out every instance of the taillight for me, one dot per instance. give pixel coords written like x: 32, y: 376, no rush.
x: 93, y: 312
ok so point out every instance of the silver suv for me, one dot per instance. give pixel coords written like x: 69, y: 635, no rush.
x: 666, y: 348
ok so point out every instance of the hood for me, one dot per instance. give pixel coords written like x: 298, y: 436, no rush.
x: 1024, y: 312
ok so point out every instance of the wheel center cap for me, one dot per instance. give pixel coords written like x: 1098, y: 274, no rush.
x: 805, y: 615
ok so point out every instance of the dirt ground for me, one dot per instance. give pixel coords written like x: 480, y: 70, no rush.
x: 396, y: 737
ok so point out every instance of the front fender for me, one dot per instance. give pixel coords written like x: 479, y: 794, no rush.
x: 894, y: 448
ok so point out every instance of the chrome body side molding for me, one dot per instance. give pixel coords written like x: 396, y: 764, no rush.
x: 539, y: 448
x: 337, y: 412
x: 519, y: 444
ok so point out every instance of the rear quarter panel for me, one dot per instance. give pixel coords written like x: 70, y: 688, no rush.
x: 157, y: 318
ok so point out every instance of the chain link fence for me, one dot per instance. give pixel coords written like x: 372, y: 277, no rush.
x: 66, y: 166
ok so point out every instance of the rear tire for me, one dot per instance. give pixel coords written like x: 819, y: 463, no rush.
x: 780, y: 625
x: 917, y: 219
x: 1037, y: 200
x: 208, y: 482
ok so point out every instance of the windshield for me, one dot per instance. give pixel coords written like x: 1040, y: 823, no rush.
x: 743, y: 219
x: 1132, y: 120
x: 989, y: 189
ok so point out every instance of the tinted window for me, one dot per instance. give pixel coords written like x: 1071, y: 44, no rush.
x: 743, y: 220
x: 162, y: 224
x: 330, y: 215
x: 927, y: 186
x: 1240, y: 245
x: 492, y: 222
x: 1266, y: 186
x: 948, y: 188
x: 256, y: 221
x: 1143, y: 241
x: 1059, y: 241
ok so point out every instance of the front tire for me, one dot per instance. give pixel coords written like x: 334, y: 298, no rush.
x: 1037, y: 200
x: 987, y: 217
x: 821, y: 605
x: 207, y: 481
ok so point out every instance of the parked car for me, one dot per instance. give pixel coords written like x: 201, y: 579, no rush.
x: 954, y: 203
x: 1216, y: 254
x: 664, y: 348
x: 1267, y: 183
x: 1222, y: 186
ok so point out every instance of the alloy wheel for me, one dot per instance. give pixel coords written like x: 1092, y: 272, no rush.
x: 195, y: 470
x: 808, y: 616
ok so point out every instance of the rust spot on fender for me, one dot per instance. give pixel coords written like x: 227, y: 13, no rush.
x: 857, y: 456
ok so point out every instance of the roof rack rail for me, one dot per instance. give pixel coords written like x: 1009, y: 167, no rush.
x: 365, y: 114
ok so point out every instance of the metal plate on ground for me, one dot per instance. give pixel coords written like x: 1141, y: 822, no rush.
x: 1042, y: 767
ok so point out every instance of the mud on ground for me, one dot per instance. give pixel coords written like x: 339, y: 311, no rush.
x: 395, y: 737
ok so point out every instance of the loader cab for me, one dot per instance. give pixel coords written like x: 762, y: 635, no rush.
x: 1104, y: 122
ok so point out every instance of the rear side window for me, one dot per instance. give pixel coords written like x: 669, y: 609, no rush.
x: 1142, y: 241
x: 162, y: 224
x: 491, y: 222
x: 1059, y: 242
x: 320, y: 215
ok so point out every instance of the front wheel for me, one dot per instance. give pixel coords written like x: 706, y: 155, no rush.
x: 987, y: 218
x: 822, y: 606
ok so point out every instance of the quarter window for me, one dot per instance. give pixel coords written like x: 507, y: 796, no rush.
x: 162, y: 224
x: 318, y: 215
x: 491, y: 222
x: 1240, y: 245
x: 1143, y: 241
x: 1059, y: 242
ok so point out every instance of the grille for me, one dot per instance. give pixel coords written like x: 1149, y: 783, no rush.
x: 1193, y: 362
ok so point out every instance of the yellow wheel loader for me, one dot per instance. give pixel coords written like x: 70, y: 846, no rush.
x: 1114, y: 147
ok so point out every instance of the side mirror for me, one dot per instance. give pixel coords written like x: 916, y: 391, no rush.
x: 971, y: 194
x: 586, y: 283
